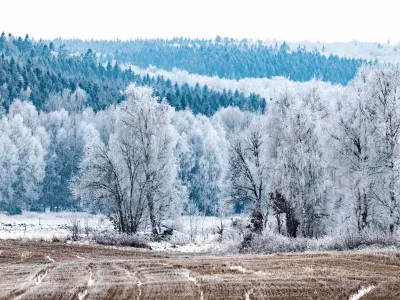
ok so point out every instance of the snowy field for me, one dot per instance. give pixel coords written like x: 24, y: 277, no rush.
x: 191, y: 233
x: 45, y: 226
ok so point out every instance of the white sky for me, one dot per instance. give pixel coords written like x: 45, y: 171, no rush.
x: 291, y: 20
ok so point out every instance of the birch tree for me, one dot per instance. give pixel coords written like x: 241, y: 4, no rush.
x: 247, y: 172
x: 136, y: 172
x: 296, y: 160
x: 382, y: 109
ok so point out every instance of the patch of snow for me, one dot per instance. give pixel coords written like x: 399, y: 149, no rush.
x: 188, y: 248
x: 238, y: 268
x: 247, y: 294
x: 82, y: 295
x: 190, y: 278
x: 269, y: 88
x: 192, y: 234
x: 49, y: 258
x: 89, y: 283
x: 138, y: 283
x: 46, y: 226
x: 195, y: 282
x: 361, y: 292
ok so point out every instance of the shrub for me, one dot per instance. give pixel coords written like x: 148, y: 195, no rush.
x: 74, y: 227
x: 86, y: 226
x: 111, y: 239
x: 269, y: 242
x: 367, y: 238
x: 272, y: 243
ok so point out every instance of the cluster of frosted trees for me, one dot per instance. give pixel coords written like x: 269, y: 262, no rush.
x: 318, y: 161
x: 323, y: 162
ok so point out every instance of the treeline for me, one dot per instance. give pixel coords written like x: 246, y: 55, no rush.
x: 225, y: 58
x: 39, y: 72
x: 318, y: 162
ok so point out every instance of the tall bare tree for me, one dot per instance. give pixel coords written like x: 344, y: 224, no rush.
x: 247, y: 173
x: 382, y: 108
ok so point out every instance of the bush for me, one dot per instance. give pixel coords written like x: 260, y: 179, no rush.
x: 269, y: 242
x: 272, y: 243
x: 110, y: 239
x: 74, y: 227
x: 86, y: 227
x: 367, y: 238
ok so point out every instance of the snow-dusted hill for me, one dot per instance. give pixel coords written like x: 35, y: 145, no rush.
x: 265, y: 87
x: 383, y: 52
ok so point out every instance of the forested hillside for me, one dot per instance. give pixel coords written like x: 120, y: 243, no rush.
x: 79, y: 133
x: 225, y: 58
x: 40, y: 72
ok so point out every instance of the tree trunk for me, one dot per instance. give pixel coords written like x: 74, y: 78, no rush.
x: 291, y: 223
x: 393, y: 203
x: 122, y: 227
x: 150, y: 202
x: 365, y: 211
x: 257, y: 221
x: 278, y: 222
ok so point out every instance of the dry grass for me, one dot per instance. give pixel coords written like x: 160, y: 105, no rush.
x: 34, y: 270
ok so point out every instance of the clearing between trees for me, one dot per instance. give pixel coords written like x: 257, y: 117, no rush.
x: 38, y: 270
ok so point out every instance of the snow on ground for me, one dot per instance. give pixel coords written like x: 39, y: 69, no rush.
x: 46, y: 226
x: 187, y: 248
x: 191, y: 233
x: 50, y: 259
x: 238, y: 268
x: 384, y: 52
x: 361, y: 292
x: 269, y: 88
x: 198, y: 234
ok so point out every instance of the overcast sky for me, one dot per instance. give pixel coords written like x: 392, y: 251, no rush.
x: 292, y: 20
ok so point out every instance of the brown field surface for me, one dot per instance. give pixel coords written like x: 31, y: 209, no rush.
x: 34, y: 270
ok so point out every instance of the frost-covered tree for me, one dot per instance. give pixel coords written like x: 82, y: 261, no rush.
x: 381, y: 92
x: 201, y: 161
x: 62, y: 160
x: 135, y: 174
x: 73, y: 102
x: 23, y: 149
x: 296, y: 160
x: 149, y: 122
x: 247, y: 171
x: 351, y: 155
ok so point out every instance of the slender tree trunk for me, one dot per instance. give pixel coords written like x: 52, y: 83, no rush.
x: 150, y: 202
x: 291, y: 223
x: 392, y: 197
x: 365, y: 211
x: 359, y: 212
x: 121, y: 220
x: 278, y: 222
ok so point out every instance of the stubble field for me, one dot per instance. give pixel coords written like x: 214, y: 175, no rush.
x: 38, y: 270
